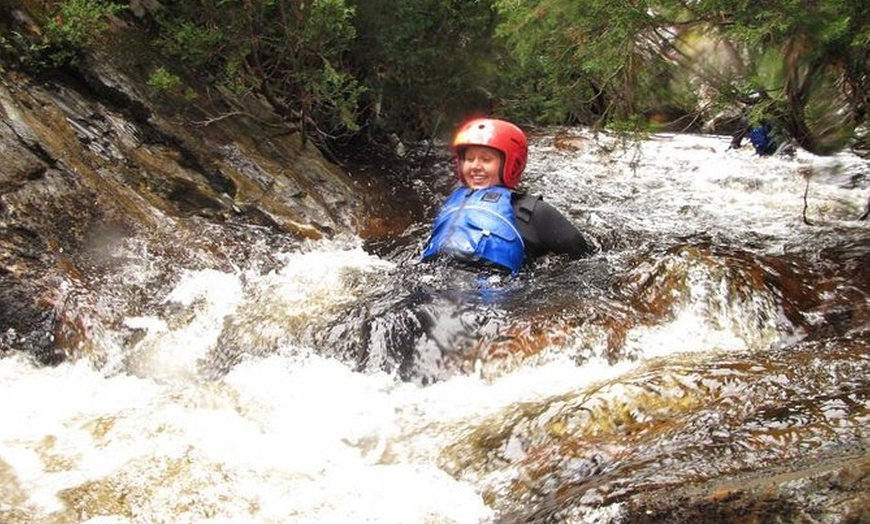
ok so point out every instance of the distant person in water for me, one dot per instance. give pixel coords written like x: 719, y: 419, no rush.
x: 761, y: 136
x: 485, y: 221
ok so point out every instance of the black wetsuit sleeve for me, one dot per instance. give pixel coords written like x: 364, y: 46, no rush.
x: 548, y: 231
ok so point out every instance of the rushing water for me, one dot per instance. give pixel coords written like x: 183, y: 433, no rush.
x: 340, y: 381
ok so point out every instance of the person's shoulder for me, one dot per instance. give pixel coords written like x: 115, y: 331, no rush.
x: 524, y: 204
x: 519, y: 199
x: 528, y: 205
x: 544, y: 213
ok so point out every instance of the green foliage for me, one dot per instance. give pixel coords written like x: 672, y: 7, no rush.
x: 600, y: 61
x: 291, y: 52
x: 337, y: 93
x: 809, y: 58
x: 428, y: 63
x: 76, y: 25
x: 592, y: 58
x: 332, y: 68
x: 633, y: 128
x: 163, y: 80
x: 68, y: 28
x: 193, y: 43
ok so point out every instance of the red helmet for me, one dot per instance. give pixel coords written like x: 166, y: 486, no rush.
x: 500, y: 135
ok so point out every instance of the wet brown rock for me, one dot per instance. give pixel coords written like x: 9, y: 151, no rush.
x: 96, y: 164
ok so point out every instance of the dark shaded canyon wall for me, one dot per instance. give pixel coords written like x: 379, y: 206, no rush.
x: 94, y: 162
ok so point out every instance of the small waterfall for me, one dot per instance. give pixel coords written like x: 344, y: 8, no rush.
x: 716, y: 349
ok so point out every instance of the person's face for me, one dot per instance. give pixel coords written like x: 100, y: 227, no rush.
x: 480, y: 167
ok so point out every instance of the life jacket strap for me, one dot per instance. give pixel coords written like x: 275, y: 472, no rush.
x: 525, y: 206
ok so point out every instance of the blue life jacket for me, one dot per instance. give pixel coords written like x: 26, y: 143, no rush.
x: 761, y: 139
x: 478, y: 225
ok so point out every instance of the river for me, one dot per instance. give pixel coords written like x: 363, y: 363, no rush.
x: 722, y: 329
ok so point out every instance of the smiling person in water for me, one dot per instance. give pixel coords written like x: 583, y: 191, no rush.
x: 486, y: 222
